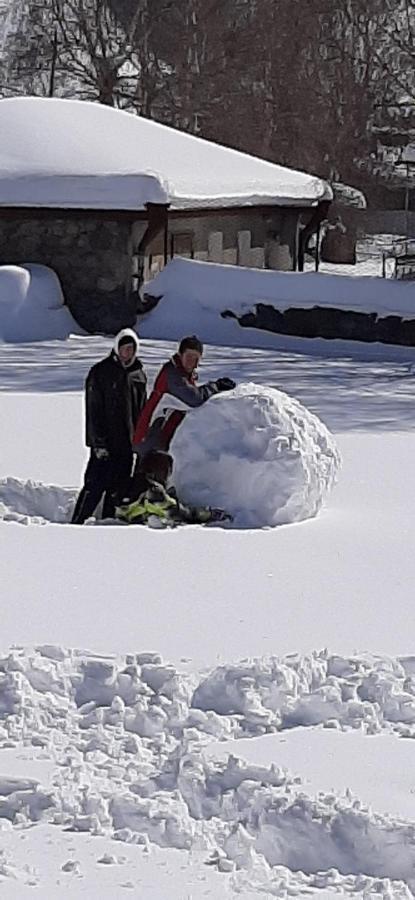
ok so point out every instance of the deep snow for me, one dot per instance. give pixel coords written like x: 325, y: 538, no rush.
x: 124, y: 741
x: 32, y: 305
x: 378, y: 771
x: 196, y: 294
x: 235, y: 626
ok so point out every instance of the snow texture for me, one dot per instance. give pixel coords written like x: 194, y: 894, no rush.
x: 72, y: 153
x: 125, y: 737
x: 196, y: 294
x: 35, y: 503
x: 192, y: 755
x: 258, y: 454
x: 32, y: 305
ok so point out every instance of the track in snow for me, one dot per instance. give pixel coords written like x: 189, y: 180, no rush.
x: 127, y: 742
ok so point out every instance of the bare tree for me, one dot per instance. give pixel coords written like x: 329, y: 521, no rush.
x: 94, y: 49
x: 304, y: 84
x: 28, y: 48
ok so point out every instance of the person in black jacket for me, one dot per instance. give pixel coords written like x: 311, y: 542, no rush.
x: 116, y: 391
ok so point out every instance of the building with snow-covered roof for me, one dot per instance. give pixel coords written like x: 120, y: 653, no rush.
x: 106, y: 198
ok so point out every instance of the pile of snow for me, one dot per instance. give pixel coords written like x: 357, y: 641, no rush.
x: 32, y: 305
x: 31, y: 502
x: 123, y: 741
x: 362, y: 692
x: 257, y: 453
x: 72, y: 153
x: 195, y: 295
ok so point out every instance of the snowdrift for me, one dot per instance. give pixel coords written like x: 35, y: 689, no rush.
x: 129, y: 743
x: 257, y: 453
x: 32, y: 305
x: 31, y: 502
x: 195, y: 294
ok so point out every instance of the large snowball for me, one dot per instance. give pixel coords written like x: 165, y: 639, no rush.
x: 257, y: 453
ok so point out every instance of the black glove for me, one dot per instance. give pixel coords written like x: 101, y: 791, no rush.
x: 225, y: 384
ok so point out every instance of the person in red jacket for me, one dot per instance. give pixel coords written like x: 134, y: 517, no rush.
x: 175, y: 391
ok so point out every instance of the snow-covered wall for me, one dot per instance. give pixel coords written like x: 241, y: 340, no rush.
x: 210, y: 299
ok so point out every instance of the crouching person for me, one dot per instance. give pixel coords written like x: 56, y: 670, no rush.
x: 115, y: 393
x: 156, y: 504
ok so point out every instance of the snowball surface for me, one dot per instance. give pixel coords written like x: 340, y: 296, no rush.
x: 257, y: 453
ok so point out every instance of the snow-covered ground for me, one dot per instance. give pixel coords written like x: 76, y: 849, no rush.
x: 369, y: 256
x: 290, y: 649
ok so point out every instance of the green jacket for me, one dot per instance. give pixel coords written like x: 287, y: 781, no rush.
x: 157, y: 507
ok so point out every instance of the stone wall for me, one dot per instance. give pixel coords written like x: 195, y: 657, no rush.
x: 379, y: 221
x: 96, y: 259
x: 330, y: 323
x: 260, y: 238
x: 91, y: 255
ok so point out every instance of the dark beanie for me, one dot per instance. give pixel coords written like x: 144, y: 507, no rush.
x: 127, y: 339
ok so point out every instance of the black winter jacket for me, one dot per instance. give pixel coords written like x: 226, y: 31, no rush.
x: 115, y: 396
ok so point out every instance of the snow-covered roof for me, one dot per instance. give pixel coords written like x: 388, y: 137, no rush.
x: 347, y: 195
x: 72, y: 153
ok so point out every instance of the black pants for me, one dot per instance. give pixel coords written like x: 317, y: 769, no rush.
x: 109, y: 477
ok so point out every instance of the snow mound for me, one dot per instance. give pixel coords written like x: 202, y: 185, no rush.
x: 195, y: 294
x: 31, y: 502
x: 257, y: 453
x: 32, y: 305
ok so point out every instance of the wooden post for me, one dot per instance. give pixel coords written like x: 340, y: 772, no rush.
x: 317, y: 259
x: 53, y: 64
x: 157, y: 222
x: 166, y: 242
x: 407, y: 207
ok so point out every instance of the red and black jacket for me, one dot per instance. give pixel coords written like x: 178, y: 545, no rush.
x: 157, y: 423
